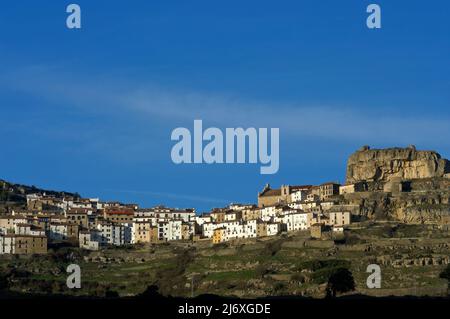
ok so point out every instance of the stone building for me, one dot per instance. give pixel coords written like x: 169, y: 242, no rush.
x: 123, y: 216
x: 316, y: 230
x: 23, y: 244
x: 353, y: 188
x: 78, y: 217
x: 338, y: 218
x: 251, y: 213
x: 261, y: 228
x: 218, y: 215
x: 269, y: 196
x: 144, y: 232
x: 326, y: 190
x: 187, y: 230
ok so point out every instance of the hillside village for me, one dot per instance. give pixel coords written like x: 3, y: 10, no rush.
x: 94, y: 224
x: 325, y: 210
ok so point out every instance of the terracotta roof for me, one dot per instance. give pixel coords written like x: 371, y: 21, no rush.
x: 78, y: 211
x: 271, y: 192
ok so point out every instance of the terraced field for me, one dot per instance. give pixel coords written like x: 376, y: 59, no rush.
x: 411, y: 259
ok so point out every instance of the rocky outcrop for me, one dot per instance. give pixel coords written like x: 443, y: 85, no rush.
x: 430, y: 206
x: 383, y: 164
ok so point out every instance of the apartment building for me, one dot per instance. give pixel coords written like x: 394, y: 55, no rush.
x: 92, y: 239
x: 7, y: 222
x: 144, y: 232
x: 251, y: 213
x: 78, y: 216
x: 115, y: 233
x: 338, y: 218
x: 58, y: 231
x: 219, y: 235
x: 122, y: 216
x: 293, y: 221
x: 329, y: 189
x: 23, y: 244
x: 28, y: 229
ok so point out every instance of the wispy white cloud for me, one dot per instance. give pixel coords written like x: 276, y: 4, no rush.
x: 132, y: 99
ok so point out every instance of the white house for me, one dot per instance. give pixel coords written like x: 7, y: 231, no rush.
x: 7, y: 222
x: 200, y: 220
x: 170, y: 230
x: 296, y: 205
x: 7, y: 244
x: 286, y: 210
x: 58, y: 231
x: 161, y: 213
x: 272, y: 229
x: 143, y: 215
x: 231, y: 216
x: 163, y: 230
x: 208, y: 229
x: 80, y: 204
x: 240, y: 207
x: 268, y: 212
x: 294, y: 221
x: 28, y: 229
x: 249, y: 229
x: 298, y: 196
x: 233, y: 230
x: 312, y: 198
x: 116, y: 233
x: 92, y: 239
x: 338, y: 218
x: 174, y: 229
x: 325, y: 205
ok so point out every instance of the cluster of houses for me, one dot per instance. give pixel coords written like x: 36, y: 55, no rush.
x: 93, y: 224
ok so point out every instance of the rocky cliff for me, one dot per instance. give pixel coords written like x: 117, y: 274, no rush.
x: 431, y: 207
x: 383, y: 164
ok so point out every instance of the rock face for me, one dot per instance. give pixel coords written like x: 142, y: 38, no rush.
x: 383, y: 164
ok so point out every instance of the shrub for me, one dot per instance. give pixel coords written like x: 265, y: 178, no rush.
x: 273, y: 247
x: 261, y: 270
x: 298, y: 278
x: 340, y: 281
x: 278, y: 287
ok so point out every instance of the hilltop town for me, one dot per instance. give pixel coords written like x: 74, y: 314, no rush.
x: 94, y: 224
x: 377, y: 180
x: 393, y: 210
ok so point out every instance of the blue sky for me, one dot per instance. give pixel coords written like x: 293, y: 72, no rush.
x: 92, y: 110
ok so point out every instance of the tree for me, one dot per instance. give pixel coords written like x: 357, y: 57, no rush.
x: 340, y: 281
x: 3, y: 282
